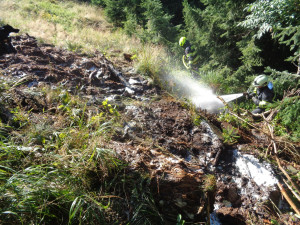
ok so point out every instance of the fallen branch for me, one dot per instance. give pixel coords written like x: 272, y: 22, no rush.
x: 230, y: 112
x: 272, y: 134
x: 286, y: 174
x: 280, y: 167
x: 273, y: 142
x: 277, y: 159
x: 238, y: 117
x: 250, y: 124
x: 118, y: 75
x: 288, y: 199
x: 291, y: 189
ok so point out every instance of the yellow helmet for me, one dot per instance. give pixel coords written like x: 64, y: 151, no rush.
x: 261, y: 80
x: 182, y: 41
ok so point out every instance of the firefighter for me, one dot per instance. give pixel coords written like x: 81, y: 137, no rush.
x: 262, y: 94
x: 190, y: 54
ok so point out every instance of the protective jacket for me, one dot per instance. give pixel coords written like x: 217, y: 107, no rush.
x: 191, y: 54
x: 261, y: 97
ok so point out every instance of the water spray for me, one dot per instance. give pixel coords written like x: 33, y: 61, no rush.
x: 198, y: 93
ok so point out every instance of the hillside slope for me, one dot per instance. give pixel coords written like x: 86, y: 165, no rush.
x: 82, y: 118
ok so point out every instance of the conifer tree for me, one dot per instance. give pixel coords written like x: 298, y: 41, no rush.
x: 158, y: 26
x: 115, y: 11
x: 279, y: 20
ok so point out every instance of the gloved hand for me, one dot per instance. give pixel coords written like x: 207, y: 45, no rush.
x: 250, y: 92
x: 251, y: 95
x: 255, y: 100
x: 246, y: 95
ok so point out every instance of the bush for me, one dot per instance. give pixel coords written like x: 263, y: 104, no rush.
x: 288, y: 118
x: 282, y: 81
x: 98, y: 2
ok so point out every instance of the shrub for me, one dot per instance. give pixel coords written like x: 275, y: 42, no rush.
x: 283, y: 81
x: 288, y: 119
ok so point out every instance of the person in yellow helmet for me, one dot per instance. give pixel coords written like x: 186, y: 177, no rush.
x: 262, y: 94
x: 190, y: 53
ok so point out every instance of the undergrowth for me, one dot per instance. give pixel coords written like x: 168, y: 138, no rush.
x: 287, y: 120
x: 58, y: 171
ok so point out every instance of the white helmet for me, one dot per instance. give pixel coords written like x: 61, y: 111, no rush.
x: 261, y: 80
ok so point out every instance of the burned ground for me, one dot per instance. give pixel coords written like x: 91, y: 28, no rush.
x: 159, y: 135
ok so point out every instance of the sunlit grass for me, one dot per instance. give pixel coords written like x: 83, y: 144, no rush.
x: 83, y: 28
x: 57, y: 165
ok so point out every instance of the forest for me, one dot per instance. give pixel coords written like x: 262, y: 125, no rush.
x: 235, y: 39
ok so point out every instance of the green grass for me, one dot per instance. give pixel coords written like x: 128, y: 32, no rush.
x: 58, y: 170
x: 81, y: 27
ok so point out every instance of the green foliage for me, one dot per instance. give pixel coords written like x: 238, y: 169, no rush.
x: 290, y: 109
x: 220, y: 80
x: 144, y: 19
x: 131, y: 26
x: 35, y: 195
x: 220, y: 31
x: 222, y: 46
x: 10, y: 157
x: 281, y: 18
x: 20, y: 119
x: 282, y: 81
x: 115, y: 11
x: 287, y: 118
x: 52, y: 12
x: 64, y: 191
x: 85, y: 210
x: 98, y: 2
x: 289, y: 36
x: 250, y: 53
x: 74, y: 47
x: 180, y: 221
x: 145, y: 210
x: 214, y: 32
x: 275, y: 222
x: 72, y: 109
x: 109, y: 108
x: 268, y: 15
x: 230, y: 135
x: 158, y: 26
x: 62, y: 174
x: 197, y: 119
